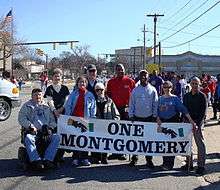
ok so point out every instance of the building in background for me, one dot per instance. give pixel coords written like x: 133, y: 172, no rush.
x: 190, y: 63
x: 133, y: 58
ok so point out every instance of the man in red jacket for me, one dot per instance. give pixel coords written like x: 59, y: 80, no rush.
x: 119, y: 90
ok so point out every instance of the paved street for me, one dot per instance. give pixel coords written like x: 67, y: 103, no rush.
x: 116, y: 175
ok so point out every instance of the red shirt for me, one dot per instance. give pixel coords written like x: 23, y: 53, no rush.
x: 212, y: 86
x: 119, y: 90
x: 206, y: 91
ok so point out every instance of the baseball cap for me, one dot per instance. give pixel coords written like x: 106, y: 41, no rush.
x: 91, y: 67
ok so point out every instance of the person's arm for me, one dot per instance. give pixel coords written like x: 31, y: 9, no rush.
x: 93, y: 109
x: 108, y: 89
x: 203, y: 107
x: 115, y: 113
x: 131, y: 105
x: 23, y: 117
x: 68, y: 104
x: 52, y: 121
x: 155, y: 104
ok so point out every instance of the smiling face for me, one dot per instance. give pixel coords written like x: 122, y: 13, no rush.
x: 57, y: 78
x: 37, y: 97
x: 82, y: 83
x: 92, y: 74
x: 143, y: 78
x: 120, y: 71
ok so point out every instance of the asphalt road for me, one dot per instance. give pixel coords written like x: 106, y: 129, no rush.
x: 115, y: 175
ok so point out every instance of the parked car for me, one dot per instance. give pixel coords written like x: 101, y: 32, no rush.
x: 9, y: 98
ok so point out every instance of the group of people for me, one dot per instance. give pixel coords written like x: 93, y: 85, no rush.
x: 147, y: 100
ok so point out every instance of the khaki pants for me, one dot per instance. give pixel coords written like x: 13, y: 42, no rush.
x: 201, y: 149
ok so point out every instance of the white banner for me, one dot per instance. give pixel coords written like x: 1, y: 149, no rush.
x: 124, y: 137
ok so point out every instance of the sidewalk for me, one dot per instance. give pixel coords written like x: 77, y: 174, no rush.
x: 211, y: 132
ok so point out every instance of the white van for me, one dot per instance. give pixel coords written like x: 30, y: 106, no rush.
x: 9, y: 98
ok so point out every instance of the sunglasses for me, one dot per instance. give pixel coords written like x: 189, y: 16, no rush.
x: 99, y: 90
x: 194, y: 83
x: 91, y: 71
x: 166, y: 87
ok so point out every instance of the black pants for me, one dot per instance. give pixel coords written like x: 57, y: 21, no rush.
x: 146, y: 119
x: 168, y: 161
x: 98, y: 156
x: 79, y: 155
x: 215, y: 106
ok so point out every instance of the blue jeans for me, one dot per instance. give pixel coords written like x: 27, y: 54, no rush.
x: 30, y: 144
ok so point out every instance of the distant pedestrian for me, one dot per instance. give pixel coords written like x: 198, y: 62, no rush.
x: 156, y: 81
x: 216, y: 100
x: 20, y: 83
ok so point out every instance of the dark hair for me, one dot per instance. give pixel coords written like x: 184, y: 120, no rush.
x: 143, y: 72
x: 35, y: 90
x: 56, y: 71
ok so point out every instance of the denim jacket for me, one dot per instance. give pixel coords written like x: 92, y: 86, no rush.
x: 90, y: 104
x: 32, y: 114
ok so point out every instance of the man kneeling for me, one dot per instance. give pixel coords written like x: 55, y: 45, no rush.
x: 39, y: 122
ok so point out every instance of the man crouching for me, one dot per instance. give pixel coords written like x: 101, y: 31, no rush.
x: 38, y: 122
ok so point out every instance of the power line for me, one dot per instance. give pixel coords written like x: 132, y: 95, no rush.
x: 191, y: 21
x: 201, y: 45
x: 187, y: 16
x: 175, y: 13
x: 194, y: 38
x: 190, y: 33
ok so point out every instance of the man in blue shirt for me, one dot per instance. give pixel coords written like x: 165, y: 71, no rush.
x: 143, y: 107
x: 156, y: 81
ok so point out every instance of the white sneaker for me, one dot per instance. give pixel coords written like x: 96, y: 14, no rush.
x: 75, y: 162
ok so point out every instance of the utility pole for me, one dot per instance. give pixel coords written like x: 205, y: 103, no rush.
x: 159, y: 64
x: 46, y: 64
x: 144, y: 57
x: 155, y: 32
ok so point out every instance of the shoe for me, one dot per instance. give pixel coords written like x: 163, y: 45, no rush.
x: 113, y: 157
x: 104, y: 161
x: 166, y: 168
x: 38, y: 165
x: 48, y: 164
x: 75, y: 162
x: 122, y: 157
x: 186, y: 167
x: 85, y: 162
x: 213, y: 118
x: 94, y: 161
x: 150, y: 164
x: 133, y: 163
x: 200, y: 170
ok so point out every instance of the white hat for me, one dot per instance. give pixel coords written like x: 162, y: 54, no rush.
x: 99, y: 85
